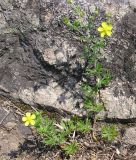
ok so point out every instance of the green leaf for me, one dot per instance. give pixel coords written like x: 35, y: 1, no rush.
x: 109, y: 132
x: 79, y: 11
x: 68, y: 126
x: 38, y: 120
x: 70, y: 1
x: 96, y: 71
x: 84, y: 126
x: 99, y: 68
x: 76, y: 24
x: 71, y: 148
x: 66, y: 21
x: 94, y: 107
x: 104, y: 79
x: 88, y: 103
x: 86, y: 51
x: 98, y: 107
x: 51, y: 139
x: 89, y: 91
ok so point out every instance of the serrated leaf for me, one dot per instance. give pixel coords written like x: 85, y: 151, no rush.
x: 109, y: 132
x: 84, y: 126
x: 71, y: 148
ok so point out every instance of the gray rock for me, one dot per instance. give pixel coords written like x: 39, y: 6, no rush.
x: 117, y: 103
x: 3, y: 114
x: 132, y: 4
x: 36, y: 59
x: 10, y: 125
x: 130, y: 136
x: 41, y: 65
x: 120, y: 97
x: 2, y: 21
x: 35, y: 65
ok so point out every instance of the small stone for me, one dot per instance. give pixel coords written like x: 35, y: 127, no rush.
x: 86, y: 144
x: 49, y: 56
x: 117, y: 151
x: 117, y: 104
x: 35, y: 21
x: 130, y: 136
x: 48, y: 17
x: 124, y: 151
x: 10, y: 125
x: 60, y: 56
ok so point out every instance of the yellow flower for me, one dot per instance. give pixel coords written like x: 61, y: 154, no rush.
x: 105, y: 29
x: 29, y: 119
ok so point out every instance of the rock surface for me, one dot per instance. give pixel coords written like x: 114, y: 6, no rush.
x: 37, y: 66
x: 132, y: 4
x: 130, y: 136
x: 41, y: 65
x: 120, y: 97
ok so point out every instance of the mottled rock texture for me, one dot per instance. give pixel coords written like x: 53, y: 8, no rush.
x: 120, y: 97
x: 130, y: 136
x: 40, y: 63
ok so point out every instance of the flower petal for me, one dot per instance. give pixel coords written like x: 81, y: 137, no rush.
x: 100, y: 29
x: 28, y: 114
x: 27, y: 123
x: 109, y: 27
x: 109, y: 33
x: 24, y: 119
x: 104, y: 24
x: 32, y: 122
x: 103, y: 34
x: 33, y: 116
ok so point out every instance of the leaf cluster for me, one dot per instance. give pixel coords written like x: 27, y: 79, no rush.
x: 54, y: 134
x: 71, y: 148
x: 109, y: 132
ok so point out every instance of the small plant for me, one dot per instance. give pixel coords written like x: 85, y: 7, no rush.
x: 88, y: 104
x: 54, y: 134
x: 71, y: 148
x: 95, y: 77
x: 84, y: 126
x: 109, y: 132
x: 78, y: 10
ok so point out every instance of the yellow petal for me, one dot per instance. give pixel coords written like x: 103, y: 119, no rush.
x: 28, y: 114
x: 109, y: 33
x: 104, y: 24
x: 102, y: 34
x: 26, y: 123
x: 32, y: 122
x: 33, y: 116
x: 24, y: 119
x: 109, y: 27
x: 100, y: 29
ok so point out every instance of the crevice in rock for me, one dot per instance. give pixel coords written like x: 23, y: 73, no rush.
x: 119, y: 121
